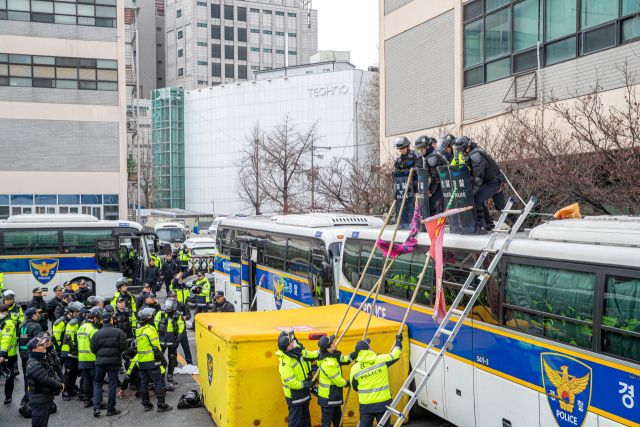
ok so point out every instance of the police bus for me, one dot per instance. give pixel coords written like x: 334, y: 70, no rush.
x: 554, y: 339
x: 45, y: 250
x: 167, y: 231
x: 288, y: 261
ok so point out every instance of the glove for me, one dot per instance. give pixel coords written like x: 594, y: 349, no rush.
x: 399, y: 337
x: 306, y: 384
x: 347, y: 384
x: 353, y: 356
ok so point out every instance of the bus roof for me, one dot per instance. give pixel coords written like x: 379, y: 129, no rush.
x: 63, y: 221
x: 40, y: 218
x: 163, y: 224
x: 576, y: 240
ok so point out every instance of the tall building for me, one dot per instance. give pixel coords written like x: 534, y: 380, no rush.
x: 465, y: 63
x: 62, y: 108
x: 218, y: 120
x: 221, y: 41
x: 160, y: 62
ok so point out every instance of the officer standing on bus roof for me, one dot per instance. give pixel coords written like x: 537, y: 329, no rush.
x: 408, y: 158
x: 41, y: 308
x: 53, y: 303
x: 370, y: 378
x: 432, y: 160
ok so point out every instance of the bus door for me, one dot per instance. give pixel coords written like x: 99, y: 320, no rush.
x: 255, y: 254
x: 233, y: 291
x: 108, y: 261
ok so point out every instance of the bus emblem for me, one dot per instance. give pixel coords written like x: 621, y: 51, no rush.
x: 567, y: 383
x: 278, y: 290
x: 44, y: 269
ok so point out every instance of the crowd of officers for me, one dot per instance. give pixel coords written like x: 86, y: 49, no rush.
x: 91, y: 341
x: 369, y: 377
x: 487, y: 179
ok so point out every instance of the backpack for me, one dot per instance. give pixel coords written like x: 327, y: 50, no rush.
x: 190, y: 400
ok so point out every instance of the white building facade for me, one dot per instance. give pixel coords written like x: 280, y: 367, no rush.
x: 219, y: 119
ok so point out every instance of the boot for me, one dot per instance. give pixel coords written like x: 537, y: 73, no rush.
x: 96, y: 413
x: 65, y: 396
x: 163, y: 407
x: 88, y: 404
x: 170, y: 378
x: 148, y: 407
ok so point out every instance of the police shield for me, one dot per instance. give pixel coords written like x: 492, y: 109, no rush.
x: 422, y: 195
x: 453, y: 177
x: 399, y: 185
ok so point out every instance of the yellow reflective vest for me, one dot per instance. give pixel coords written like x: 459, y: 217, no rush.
x: 148, y: 339
x: 370, y: 378
x: 294, y: 370
x: 330, y: 379
x: 86, y: 358
x: 8, y: 338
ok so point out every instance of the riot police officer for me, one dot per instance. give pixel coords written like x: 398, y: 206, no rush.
x: 171, y: 328
x: 408, y: 158
x: 487, y: 180
x: 445, y: 146
x: 432, y: 161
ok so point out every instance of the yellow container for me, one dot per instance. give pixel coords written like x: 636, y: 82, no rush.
x: 238, y: 366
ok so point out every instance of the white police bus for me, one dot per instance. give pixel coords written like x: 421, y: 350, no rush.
x: 167, y: 231
x: 554, y: 340
x: 45, y: 250
x: 287, y: 260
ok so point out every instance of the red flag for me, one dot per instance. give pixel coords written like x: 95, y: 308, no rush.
x: 436, y: 235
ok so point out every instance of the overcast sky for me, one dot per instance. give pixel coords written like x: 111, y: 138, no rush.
x: 349, y: 25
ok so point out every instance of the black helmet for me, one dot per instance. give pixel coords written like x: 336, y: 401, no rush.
x: 461, y: 144
x: 445, y: 141
x: 422, y: 142
x: 121, y: 282
x: 402, y: 142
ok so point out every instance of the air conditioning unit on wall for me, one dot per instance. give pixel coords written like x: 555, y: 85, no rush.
x: 524, y: 87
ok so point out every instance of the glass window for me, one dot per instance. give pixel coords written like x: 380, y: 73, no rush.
x: 44, y: 60
x: 108, y: 86
x: 20, y: 70
x: 291, y: 34
x: 21, y: 199
x: 46, y: 199
x: 542, y: 290
x: 622, y: 312
x: 350, y: 262
x: 473, y: 77
x: 68, y: 199
x: 275, y: 246
x: 228, y: 13
x: 472, y: 10
x: 107, y: 12
x: 215, y: 11
x: 473, y: 53
x: 375, y: 267
x: 298, y: 254
x: 497, y: 37
x: 4, y: 199
x: 178, y: 13
x: 4, y: 212
x: 4, y: 70
x: 266, y: 32
x: 266, y: 12
x: 525, y: 61
x: 216, y: 69
x: 292, y: 15
x: 107, y: 75
x: 228, y: 71
x: 559, y: 18
x: 560, y: 51
x: 180, y: 71
x: 242, y: 14
x: 242, y: 34
x: 86, y: 10
x: 62, y: 19
x: 228, y: 33
x: 18, y: 5
x: 215, y: 32
x: 215, y: 51
x: 242, y: 53
x: 87, y: 74
x: 228, y: 52
x: 30, y: 242
x: 42, y: 6
x: 67, y: 73
x: 82, y: 241
x: 598, y: 39
x: 495, y: 4
x: 179, y: 34
x: 629, y: 6
x: 525, y: 24
x: 630, y: 29
x: 66, y: 8
x: 596, y: 12
x: 498, y: 69
x: 91, y: 199
x: 255, y: 10
x: 87, y: 85
x: 66, y: 62
x: 179, y: 53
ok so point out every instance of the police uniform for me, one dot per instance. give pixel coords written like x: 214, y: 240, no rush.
x: 149, y: 364
x: 52, y: 304
x: 125, y: 320
x: 330, y: 382
x: 9, y: 351
x: 295, y: 372
x: 42, y: 382
x: 184, y: 255
x: 432, y: 161
x: 41, y: 308
x: 129, y: 300
x: 83, y: 294
x: 185, y: 313
x: 86, y: 359
x: 26, y: 332
x: 170, y: 328
x: 70, y: 355
x: 202, y: 297
x: 15, y: 311
x: 370, y: 378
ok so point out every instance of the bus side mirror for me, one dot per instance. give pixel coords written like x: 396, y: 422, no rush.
x: 156, y: 247
x: 327, y: 274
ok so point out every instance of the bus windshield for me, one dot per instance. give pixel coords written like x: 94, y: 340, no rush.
x: 171, y: 234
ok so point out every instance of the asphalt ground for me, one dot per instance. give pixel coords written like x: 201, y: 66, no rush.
x: 73, y: 413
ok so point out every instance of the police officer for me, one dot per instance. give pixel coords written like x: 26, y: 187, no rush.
x: 94, y: 301
x: 146, y: 288
x: 86, y: 359
x: 70, y: 349
x: 202, y: 289
x: 8, y: 349
x: 432, y: 160
x: 41, y: 380
x: 26, y: 332
x: 41, y: 308
x: 445, y: 146
x: 370, y: 378
x: 155, y: 258
x: 487, y: 180
x: 221, y: 304
x: 61, y: 309
x: 150, y: 359
x: 53, y: 357
x: 181, y: 289
x: 184, y: 255
x: 129, y: 299
x: 167, y: 271
x: 68, y: 288
x: 170, y: 328
x: 84, y: 292
x: 54, y: 302
x: 150, y: 301
x: 152, y: 275
x: 185, y: 313
x: 408, y: 158
x: 58, y: 330
x: 15, y: 311
x: 295, y: 373
x: 331, y: 383
x: 125, y: 320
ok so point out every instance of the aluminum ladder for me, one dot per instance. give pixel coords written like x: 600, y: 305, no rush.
x: 467, y: 289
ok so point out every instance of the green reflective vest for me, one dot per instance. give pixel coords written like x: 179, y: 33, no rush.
x: 131, y: 304
x: 1, y: 282
x: 181, y: 294
x: 206, y: 287
x: 9, y: 338
x: 184, y: 255
x: 15, y: 311
x: 371, y: 377
x: 58, y: 333
x: 292, y: 373
x: 330, y: 379
x: 70, y: 340
x: 85, y: 332
x: 156, y: 260
x: 147, y: 339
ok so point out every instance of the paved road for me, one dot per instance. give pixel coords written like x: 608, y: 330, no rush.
x: 73, y: 413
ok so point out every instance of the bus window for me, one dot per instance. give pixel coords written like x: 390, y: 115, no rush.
x: 350, y: 262
x: 275, y: 252
x: 298, y: 254
x: 399, y: 277
x: 426, y: 289
x: 552, y: 302
x: 31, y: 242
x: 107, y: 254
x: 621, y: 317
x: 82, y: 241
x: 487, y: 306
x: 375, y: 267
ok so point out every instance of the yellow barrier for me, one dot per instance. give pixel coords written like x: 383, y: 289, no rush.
x: 238, y: 366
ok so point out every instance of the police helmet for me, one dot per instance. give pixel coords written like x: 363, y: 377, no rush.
x: 121, y: 282
x: 461, y: 144
x: 75, y: 306
x: 146, y: 314
x: 8, y: 294
x: 402, y: 142
x: 445, y: 141
x: 170, y: 304
x: 95, y: 312
x: 93, y: 301
x: 421, y: 142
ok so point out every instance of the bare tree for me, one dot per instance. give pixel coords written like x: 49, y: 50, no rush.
x: 250, y: 166
x: 285, y: 152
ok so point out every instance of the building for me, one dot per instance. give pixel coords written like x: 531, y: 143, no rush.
x: 62, y: 108
x: 210, y: 43
x: 146, y: 51
x: 219, y: 119
x: 160, y: 62
x: 330, y: 55
x: 139, y: 156
x: 464, y: 63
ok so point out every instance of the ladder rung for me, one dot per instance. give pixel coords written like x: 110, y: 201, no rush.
x: 420, y: 371
x: 458, y: 285
x: 446, y: 331
x: 500, y: 230
x: 432, y: 351
x: 513, y: 211
x: 395, y: 412
x: 469, y: 291
x: 409, y: 392
x: 479, y: 271
x: 491, y: 251
x: 457, y: 312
